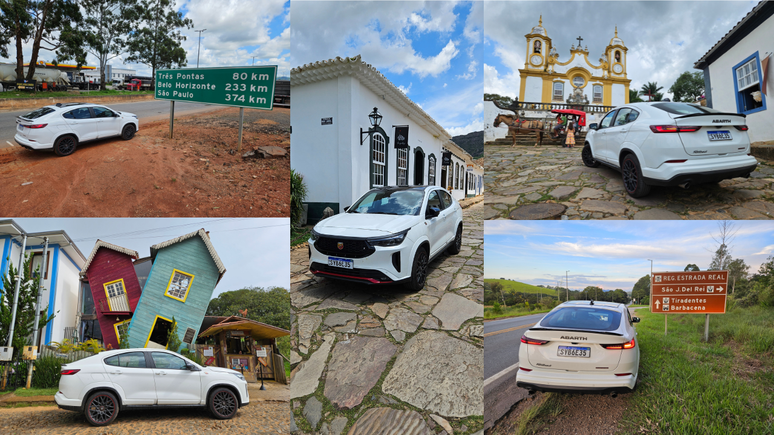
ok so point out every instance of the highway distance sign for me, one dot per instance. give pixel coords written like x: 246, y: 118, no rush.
x: 689, y: 292
x: 243, y: 86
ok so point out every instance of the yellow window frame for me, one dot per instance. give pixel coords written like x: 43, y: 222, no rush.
x: 105, y: 287
x: 116, y: 325
x: 187, y: 290
x: 153, y: 326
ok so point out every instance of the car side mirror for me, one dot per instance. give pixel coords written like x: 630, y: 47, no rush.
x: 635, y: 320
x: 192, y: 367
x: 593, y: 126
x: 346, y: 208
x: 432, y: 212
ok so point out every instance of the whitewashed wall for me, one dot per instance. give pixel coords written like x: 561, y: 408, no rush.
x: 618, y: 94
x: 533, y: 89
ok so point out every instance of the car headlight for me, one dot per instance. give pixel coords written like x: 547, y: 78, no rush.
x: 391, y: 240
x: 314, y: 236
x: 239, y: 375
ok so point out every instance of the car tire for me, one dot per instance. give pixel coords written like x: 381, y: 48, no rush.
x: 456, y: 246
x: 101, y: 408
x: 419, y: 270
x: 65, y: 145
x: 128, y: 132
x: 588, y: 157
x: 223, y: 404
x: 632, y: 177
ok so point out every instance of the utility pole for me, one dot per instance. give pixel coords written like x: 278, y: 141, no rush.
x: 37, y: 308
x: 200, y: 46
x: 567, y: 284
x: 15, y: 302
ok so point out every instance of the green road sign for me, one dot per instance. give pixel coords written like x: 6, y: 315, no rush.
x: 243, y: 86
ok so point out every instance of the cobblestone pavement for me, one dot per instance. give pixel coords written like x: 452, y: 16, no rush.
x: 382, y: 357
x: 524, y: 175
x: 265, y: 417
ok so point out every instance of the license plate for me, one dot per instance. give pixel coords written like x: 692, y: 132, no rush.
x: 579, y: 352
x: 341, y: 262
x: 19, y: 127
x: 719, y: 135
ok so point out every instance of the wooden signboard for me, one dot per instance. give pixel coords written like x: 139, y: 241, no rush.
x: 689, y: 292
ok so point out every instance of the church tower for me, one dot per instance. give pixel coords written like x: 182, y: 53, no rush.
x: 615, y: 53
x: 538, y: 47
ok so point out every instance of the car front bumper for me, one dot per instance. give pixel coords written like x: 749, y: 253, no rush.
x: 556, y: 380
x: 700, y: 171
x: 32, y: 145
x: 377, y: 268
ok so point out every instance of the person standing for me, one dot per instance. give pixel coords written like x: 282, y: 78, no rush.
x: 570, y: 142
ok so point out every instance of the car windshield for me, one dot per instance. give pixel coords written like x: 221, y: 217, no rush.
x: 684, y: 108
x: 37, y: 113
x: 400, y: 202
x: 587, y: 318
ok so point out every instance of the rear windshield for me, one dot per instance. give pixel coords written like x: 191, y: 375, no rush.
x: 684, y: 108
x: 588, y: 318
x: 37, y: 113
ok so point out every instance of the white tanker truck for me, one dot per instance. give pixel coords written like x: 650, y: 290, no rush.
x: 56, y: 79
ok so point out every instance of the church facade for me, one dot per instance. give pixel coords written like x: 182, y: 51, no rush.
x: 546, y: 79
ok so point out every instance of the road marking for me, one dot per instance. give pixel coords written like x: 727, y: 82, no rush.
x: 488, y: 381
x: 508, y: 330
x: 9, y: 143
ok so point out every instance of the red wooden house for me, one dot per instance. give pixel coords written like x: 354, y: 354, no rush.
x: 114, y: 287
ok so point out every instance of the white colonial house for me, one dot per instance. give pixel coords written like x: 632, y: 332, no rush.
x: 342, y: 152
x: 61, y: 281
x: 737, y: 71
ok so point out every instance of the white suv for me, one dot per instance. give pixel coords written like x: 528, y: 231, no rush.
x: 62, y: 127
x: 669, y: 144
x: 101, y: 385
x: 580, y: 345
x: 389, y: 235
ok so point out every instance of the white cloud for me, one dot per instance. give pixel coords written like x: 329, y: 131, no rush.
x: 404, y: 89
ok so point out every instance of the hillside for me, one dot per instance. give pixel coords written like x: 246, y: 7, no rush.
x: 520, y: 287
x: 473, y: 143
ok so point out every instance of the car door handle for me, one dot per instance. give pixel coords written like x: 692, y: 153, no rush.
x: 115, y: 372
x: 162, y: 373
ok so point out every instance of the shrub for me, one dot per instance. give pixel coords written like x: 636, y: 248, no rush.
x: 47, y: 372
x: 173, y: 341
x: 297, y: 197
x: 497, y: 309
x: 92, y: 346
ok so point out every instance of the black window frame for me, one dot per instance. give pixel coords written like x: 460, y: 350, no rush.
x: 144, y: 354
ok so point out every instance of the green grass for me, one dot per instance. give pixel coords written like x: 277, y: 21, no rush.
x: 512, y: 312
x: 688, y: 386
x: 22, y: 392
x: 287, y: 369
x: 529, y: 420
x: 92, y: 93
x: 520, y: 287
x: 299, y: 235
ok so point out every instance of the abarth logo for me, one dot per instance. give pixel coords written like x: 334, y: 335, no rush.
x: 699, y: 151
x: 340, y: 245
x: 574, y: 338
x: 721, y: 121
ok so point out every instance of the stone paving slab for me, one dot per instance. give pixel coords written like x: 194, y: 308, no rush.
x: 386, y: 354
x: 551, y: 174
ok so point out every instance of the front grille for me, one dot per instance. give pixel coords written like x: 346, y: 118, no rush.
x: 350, y: 248
x: 353, y: 273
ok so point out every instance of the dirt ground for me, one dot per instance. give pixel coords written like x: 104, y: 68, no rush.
x: 198, y: 173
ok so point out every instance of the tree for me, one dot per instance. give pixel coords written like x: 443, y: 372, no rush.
x: 722, y: 256
x: 688, y: 87
x: 620, y: 296
x: 497, y: 289
x: 501, y: 99
x: 158, y: 42
x: 173, y: 340
x: 104, y: 26
x: 641, y: 289
x: 691, y: 268
x: 124, y: 338
x: 651, y: 90
x: 25, y: 310
x: 267, y: 306
x: 634, y: 96
x: 737, y: 270
x: 592, y: 292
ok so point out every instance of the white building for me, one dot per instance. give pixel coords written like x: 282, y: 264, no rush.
x: 61, y: 281
x: 112, y: 74
x: 332, y: 101
x: 734, y: 77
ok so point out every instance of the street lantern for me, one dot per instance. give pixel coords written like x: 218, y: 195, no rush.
x: 374, y: 118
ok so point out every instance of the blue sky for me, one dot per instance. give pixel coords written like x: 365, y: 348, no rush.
x: 431, y: 50
x: 255, y: 251
x: 612, y: 254
x: 236, y: 31
x: 664, y: 38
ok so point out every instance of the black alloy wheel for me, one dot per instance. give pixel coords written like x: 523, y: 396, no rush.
x: 457, y: 246
x: 101, y: 408
x: 128, y: 132
x: 65, y: 145
x: 588, y: 157
x: 419, y: 270
x: 632, y: 177
x: 223, y: 404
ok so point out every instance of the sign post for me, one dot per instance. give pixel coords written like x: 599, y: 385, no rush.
x: 249, y: 87
x: 690, y: 293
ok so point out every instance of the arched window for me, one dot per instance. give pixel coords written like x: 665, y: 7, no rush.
x: 431, y: 170
x: 597, y: 93
x: 537, y: 46
x: 402, y: 167
x: 450, y: 182
x: 456, y: 175
x: 378, y: 160
x: 558, y: 91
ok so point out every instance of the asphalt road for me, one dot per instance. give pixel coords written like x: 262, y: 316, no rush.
x: 501, y: 342
x: 150, y: 110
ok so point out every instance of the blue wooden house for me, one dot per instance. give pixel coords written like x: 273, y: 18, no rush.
x: 182, y: 278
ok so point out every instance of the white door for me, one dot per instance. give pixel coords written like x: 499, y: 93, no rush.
x: 130, y: 373
x: 82, y: 123
x: 175, y: 384
x: 108, y: 122
x: 435, y: 229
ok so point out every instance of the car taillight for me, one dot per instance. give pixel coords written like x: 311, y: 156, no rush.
x: 527, y: 340
x: 70, y: 371
x: 741, y: 127
x: 526, y: 370
x: 629, y: 345
x: 34, y: 125
x: 673, y: 128
x: 623, y: 374
x: 675, y: 161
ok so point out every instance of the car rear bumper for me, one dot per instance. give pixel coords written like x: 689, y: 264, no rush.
x: 700, y: 171
x: 555, y: 380
x: 31, y: 145
x: 68, y: 404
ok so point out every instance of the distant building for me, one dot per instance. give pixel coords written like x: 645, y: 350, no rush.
x: 736, y: 71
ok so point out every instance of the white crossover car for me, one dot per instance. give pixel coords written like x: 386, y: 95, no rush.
x: 580, y: 345
x: 669, y: 144
x: 62, y: 127
x: 389, y: 235
x: 101, y: 385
